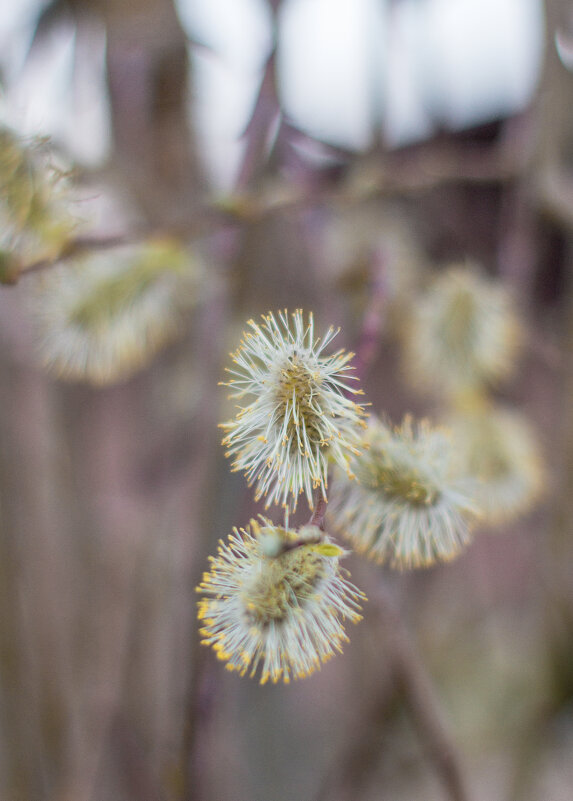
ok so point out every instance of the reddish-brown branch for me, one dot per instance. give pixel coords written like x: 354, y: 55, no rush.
x: 421, y: 698
x: 317, y: 517
x: 404, y: 680
x: 431, y: 167
x: 256, y: 135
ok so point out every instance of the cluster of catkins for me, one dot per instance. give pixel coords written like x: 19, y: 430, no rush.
x: 99, y: 315
x: 33, y: 221
x: 462, y: 340
x: 275, y: 599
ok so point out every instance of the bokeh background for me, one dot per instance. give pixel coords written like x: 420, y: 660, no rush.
x: 324, y: 154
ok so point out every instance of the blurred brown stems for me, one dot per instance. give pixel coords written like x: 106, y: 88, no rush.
x: 409, y: 680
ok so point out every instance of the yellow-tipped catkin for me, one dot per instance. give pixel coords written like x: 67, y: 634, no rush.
x: 35, y: 221
x: 362, y: 240
x: 462, y: 334
x: 406, y: 506
x: 104, y: 317
x: 497, y: 448
x: 275, y: 601
x: 298, y: 416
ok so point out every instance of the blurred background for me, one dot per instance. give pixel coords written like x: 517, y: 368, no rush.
x: 332, y: 155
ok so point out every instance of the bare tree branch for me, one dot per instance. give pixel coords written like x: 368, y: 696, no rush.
x: 420, y: 696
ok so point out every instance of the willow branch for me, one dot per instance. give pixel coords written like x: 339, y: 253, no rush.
x: 401, y: 175
x: 420, y: 696
x: 353, y: 767
x: 211, y: 219
x: 403, y: 681
x: 317, y: 517
x: 264, y: 114
x: 266, y: 110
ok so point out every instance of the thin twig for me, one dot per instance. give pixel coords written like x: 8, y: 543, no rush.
x: 352, y: 769
x: 317, y: 517
x: 403, y: 681
x: 430, y: 168
x: 420, y: 696
x: 211, y: 218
